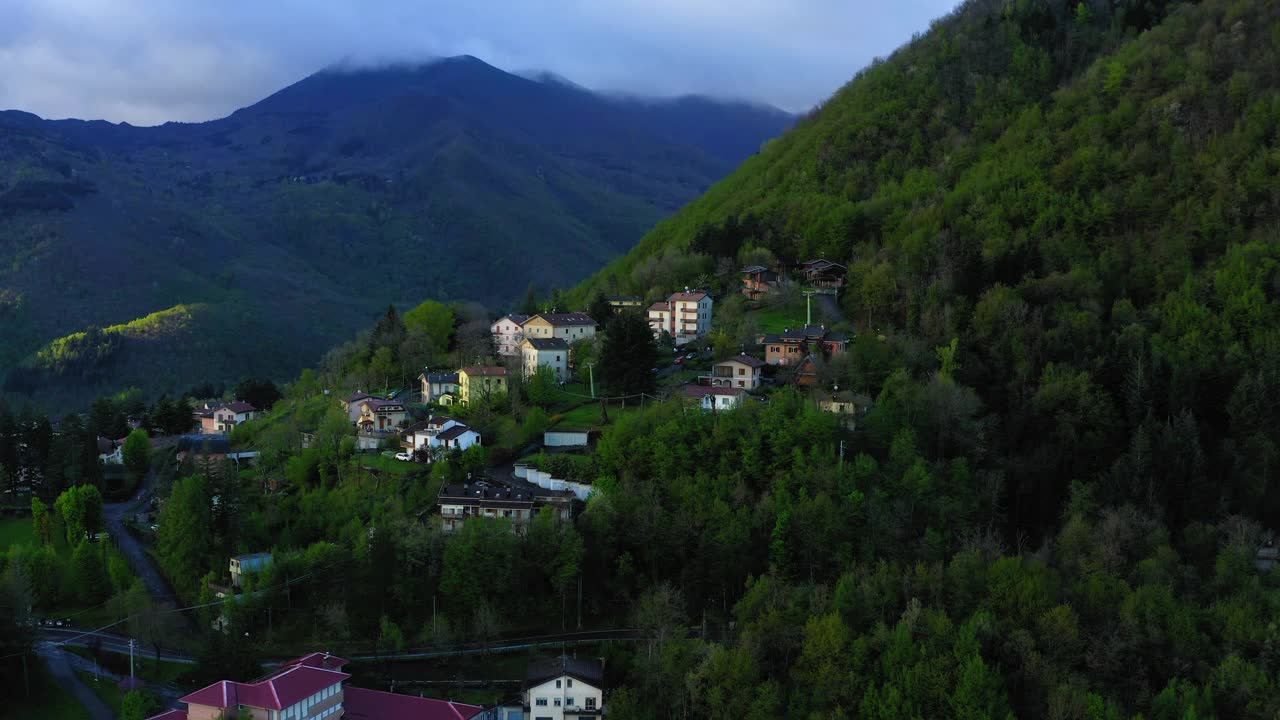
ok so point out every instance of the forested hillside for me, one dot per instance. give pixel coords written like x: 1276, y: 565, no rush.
x: 309, y: 210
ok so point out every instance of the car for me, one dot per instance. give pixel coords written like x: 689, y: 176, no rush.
x: 404, y: 456
x: 691, y: 356
x: 680, y: 360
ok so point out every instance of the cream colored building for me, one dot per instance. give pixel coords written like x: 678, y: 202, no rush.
x: 685, y: 316
x: 570, y: 327
x: 481, y: 382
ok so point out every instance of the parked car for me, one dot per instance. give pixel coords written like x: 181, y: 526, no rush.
x: 680, y: 360
x: 404, y: 456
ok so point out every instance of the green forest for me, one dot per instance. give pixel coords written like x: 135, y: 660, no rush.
x: 1060, y: 222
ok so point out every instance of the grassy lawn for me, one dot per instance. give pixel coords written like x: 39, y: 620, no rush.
x: 15, y: 531
x: 387, y: 463
x: 144, y: 666
x: 47, y: 701
x: 588, y: 416
x: 776, y: 318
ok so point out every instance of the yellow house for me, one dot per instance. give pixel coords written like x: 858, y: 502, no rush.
x: 569, y: 327
x: 481, y: 382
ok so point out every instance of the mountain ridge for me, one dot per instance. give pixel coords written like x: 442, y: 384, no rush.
x: 349, y: 189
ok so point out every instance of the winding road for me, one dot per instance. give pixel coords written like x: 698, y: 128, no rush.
x: 142, y: 563
x: 60, y: 666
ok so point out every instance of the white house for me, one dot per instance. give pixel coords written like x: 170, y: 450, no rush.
x: 715, y: 398
x: 564, y: 688
x: 552, y: 352
x: 685, y: 316
x: 741, y: 371
x: 566, y: 438
x: 440, y: 432
x: 507, y: 334
x: 228, y: 416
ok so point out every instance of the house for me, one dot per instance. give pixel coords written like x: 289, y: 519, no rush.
x: 227, y: 417
x: 1267, y: 557
x: 507, y: 334
x: 203, y: 416
x: 251, y: 563
x: 805, y: 373
x: 382, y: 415
x: 111, y: 451
x: 715, y: 398
x: 458, y: 437
x: 570, y: 327
x: 740, y: 371
x: 823, y: 274
x: 758, y: 280
x: 624, y: 302
x: 312, y: 687
x: 552, y: 352
x: 848, y: 405
x: 440, y: 432
x: 481, y: 382
x: 483, y: 499
x: 793, y: 344
x: 437, y: 386
x: 685, y: 316
x: 351, y: 406
x: 563, y: 688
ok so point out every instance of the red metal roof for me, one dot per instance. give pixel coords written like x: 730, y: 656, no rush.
x: 275, y: 693
x: 364, y: 704
x: 324, y: 661
x: 170, y: 715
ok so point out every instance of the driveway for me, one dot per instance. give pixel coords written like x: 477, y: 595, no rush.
x: 62, y: 671
x: 830, y: 308
x: 142, y: 563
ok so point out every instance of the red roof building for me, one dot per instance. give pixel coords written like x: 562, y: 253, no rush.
x: 311, y: 688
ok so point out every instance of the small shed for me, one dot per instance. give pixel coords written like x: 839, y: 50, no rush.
x: 565, y: 437
x: 241, y: 564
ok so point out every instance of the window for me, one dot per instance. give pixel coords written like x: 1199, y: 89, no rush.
x: 569, y: 682
x: 557, y: 684
x: 540, y: 702
x: 591, y: 703
x: 557, y: 699
x: 741, y: 371
x: 568, y: 702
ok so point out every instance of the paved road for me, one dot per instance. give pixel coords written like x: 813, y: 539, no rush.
x: 62, y: 671
x: 830, y: 308
x: 110, y: 642
x: 132, y: 548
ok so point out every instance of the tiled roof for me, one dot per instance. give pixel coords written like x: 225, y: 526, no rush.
x: 697, y: 391
x: 562, y: 319
x: 240, y: 407
x: 746, y: 360
x: 377, y: 404
x: 277, y: 692
x: 441, y: 377
x: 358, y: 396
x: 624, y: 298
x: 487, y: 494
x: 204, y: 444
x: 455, y: 431
x: 364, y: 704
x: 170, y: 715
x: 548, y: 343
x: 663, y: 306
x: 539, y: 671
x: 492, y: 371
x: 687, y: 296
x: 324, y: 661
x: 513, y: 317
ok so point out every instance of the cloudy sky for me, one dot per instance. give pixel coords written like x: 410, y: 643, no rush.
x: 148, y: 61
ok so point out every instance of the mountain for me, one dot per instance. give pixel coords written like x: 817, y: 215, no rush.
x: 1085, y: 199
x: 311, y: 209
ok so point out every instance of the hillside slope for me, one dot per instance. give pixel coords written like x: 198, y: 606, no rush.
x: 332, y: 197
x: 1088, y: 203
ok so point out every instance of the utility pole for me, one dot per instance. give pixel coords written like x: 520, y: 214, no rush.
x: 591, y: 371
x: 579, y: 601
x: 842, y: 455
x: 132, y: 642
x: 808, y: 307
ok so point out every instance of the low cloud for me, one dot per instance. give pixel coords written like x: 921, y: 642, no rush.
x: 150, y: 61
